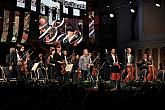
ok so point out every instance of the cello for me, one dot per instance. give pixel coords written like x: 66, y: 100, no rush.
x: 130, y: 69
x: 151, y: 70
x: 115, y: 75
x: 129, y: 63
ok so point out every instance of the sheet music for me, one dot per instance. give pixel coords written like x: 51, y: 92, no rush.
x: 35, y: 66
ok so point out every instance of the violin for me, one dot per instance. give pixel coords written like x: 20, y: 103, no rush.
x: 23, y: 63
x: 94, y: 72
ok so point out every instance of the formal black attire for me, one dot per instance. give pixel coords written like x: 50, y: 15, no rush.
x: 11, y: 60
x: 58, y: 75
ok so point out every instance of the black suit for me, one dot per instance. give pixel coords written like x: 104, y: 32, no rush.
x: 11, y: 60
x: 132, y: 60
x: 144, y: 64
x: 58, y: 68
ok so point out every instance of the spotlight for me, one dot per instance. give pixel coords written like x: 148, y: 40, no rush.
x: 133, y: 7
x: 132, y: 10
x: 111, y: 15
x: 107, y: 6
x: 158, y: 3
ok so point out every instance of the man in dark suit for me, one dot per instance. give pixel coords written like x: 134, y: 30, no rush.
x: 114, y: 65
x: 11, y: 61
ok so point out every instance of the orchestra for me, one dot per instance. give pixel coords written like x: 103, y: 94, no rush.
x: 60, y: 65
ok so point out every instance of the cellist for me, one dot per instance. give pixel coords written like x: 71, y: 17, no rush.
x: 151, y: 69
x: 115, y: 75
x: 129, y: 62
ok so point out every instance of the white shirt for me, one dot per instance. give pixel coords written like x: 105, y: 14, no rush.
x: 18, y: 57
x: 145, y: 59
x: 129, y: 59
x: 65, y: 59
x: 113, y: 56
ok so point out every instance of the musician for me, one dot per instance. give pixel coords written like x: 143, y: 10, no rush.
x: 20, y: 52
x: 41, y: 67
x: 21, y: 56
x: 106, y: 67
x: 75, y: 61
x: 144, y: 67
x: 115, y: 73
x: 50, y: 67
x: 149, y: 62
x: 65, y: 55
x: 84, y: 64
x: 129, y: 62
x: 58, y: 62
x: 28, y: 64
x: 66, y: 61
x: 151, y: 69
x: 11, y: 61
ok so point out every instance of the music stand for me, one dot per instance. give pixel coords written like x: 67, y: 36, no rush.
x: 69, y: 67
x: 35, y: 66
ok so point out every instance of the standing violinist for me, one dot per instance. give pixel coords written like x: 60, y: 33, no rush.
x: 66, y: 75
x: 129, y: 62
x: 28, y: 64
x: 41, y: 67
x: 84, y: 64
x: 20, y: 61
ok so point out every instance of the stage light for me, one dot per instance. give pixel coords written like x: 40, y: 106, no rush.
x: 111, y: 15
x: 158, y: 3
x: 133, y: 7
x: 107, y: 6
x: 132, y: 10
